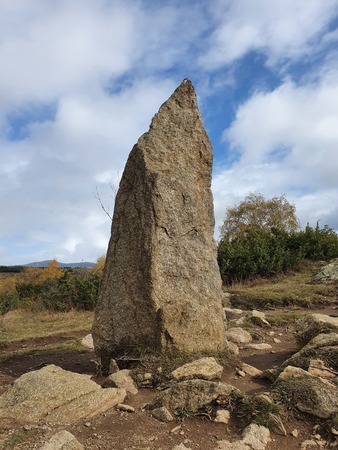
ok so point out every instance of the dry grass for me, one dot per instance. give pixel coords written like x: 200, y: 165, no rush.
x: 285, y: 290
x: 19, y: 324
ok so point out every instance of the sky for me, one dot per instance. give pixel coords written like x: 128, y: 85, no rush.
x: 80, y: 81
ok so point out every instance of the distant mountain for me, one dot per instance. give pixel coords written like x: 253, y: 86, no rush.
x: 45, y: 263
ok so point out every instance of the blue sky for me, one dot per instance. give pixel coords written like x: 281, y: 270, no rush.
x: 81, y: 79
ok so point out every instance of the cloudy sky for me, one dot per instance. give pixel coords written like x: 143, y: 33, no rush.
x: 81, y: 79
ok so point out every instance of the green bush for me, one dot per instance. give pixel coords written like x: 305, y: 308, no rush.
x: 8, y: 301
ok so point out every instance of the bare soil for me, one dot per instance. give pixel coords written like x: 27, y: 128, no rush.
x: 115, y: 430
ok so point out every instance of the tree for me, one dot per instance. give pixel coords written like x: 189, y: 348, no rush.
x: 256, y: 213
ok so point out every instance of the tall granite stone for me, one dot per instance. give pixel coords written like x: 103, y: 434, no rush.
x: 161, y: 287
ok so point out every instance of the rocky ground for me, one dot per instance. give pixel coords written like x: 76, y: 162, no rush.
x: 136, y: 428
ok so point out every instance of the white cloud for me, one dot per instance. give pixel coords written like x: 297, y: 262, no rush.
x: 280, y: 29
x: 287, y: 140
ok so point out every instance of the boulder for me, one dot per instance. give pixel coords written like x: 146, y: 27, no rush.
x: 204, y: 368
x: 327, y: 273
x: 56, y: 395
x: 310, y: 394
x: 121, y: 379
x: 62, y: 440
x: 238, y: 335
x: 323, y: 347
x: 193, y: 394
x: 311, y: 325
x: 161, y: 287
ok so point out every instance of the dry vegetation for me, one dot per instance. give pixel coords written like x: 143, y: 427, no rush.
x: 295, y: 289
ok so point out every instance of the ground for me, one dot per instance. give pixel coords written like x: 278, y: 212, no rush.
x: 139, y: 431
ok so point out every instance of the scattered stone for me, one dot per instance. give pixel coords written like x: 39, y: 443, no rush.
x: 227, y: 445
x: 261, y: 346
x: 232, y: 312
x: 256, y: 436
x: 87, y: 424
x: 181, y: 447
x: 308, y: 443
x: 193, y: 394
x: 125, y: 408
x: 175, y: 429
x: 294, y: 433
x: 238, y: 335
x: 311, y: 394
x: 161, y: 287
x: 62, y: 440
x: 258, y: 318
x: 162, y: 414
x: 222, y: 416
x: 328, y: 273
x: 113, y: 367
x: 240, y: 373
x: 87, y: 342
x: 250, y: 370
x: 334, y: 431
x: 276, y: 341
x: 233, y: 348
x: 204, y: 368
x: 58, y: 394
x: 310, y: 325
x: 121, y: 379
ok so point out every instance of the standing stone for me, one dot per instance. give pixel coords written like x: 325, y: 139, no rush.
x: 161, y: 288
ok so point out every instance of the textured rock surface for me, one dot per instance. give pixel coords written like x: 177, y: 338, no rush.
x: 161, y: 287
x: 328, y: 273
x: 62, y: 396
x: 193, y: 394
x: 121, y: 379
x: 204, y: 368
x: 311, y: 325
x: 238, y: 335
x: 313, y: 395
x: 323, y: 347
x: 63, y: 440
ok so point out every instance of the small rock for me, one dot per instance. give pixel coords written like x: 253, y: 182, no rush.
x: 176, y: 429
x: 258, y: 318
x: 240, y: 373
x: 62, y: 440
x: 87, y: 342
x: 27, y: 427
x: 294, y: 433
x: 250, y: 370
x: 256, y: 436
x: 122, y: 380
x: 233, y: 348
x: 262, y: 346
x: 204, y: 368
x: 181, y: 447
x: 308, y: 443
x: 236, y: 445
x: 87, y: 424
x: 238, y: 335
x: 162, y: 414
x: 113, y: 367
x: 222, y: 416
x: 125, y: 408
x: 276, y: 341
x: 334, y: 431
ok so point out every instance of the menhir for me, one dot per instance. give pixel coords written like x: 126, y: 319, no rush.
x: 161, y: 288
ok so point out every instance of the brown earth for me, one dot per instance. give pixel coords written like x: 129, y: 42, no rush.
x: 116, y: 430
